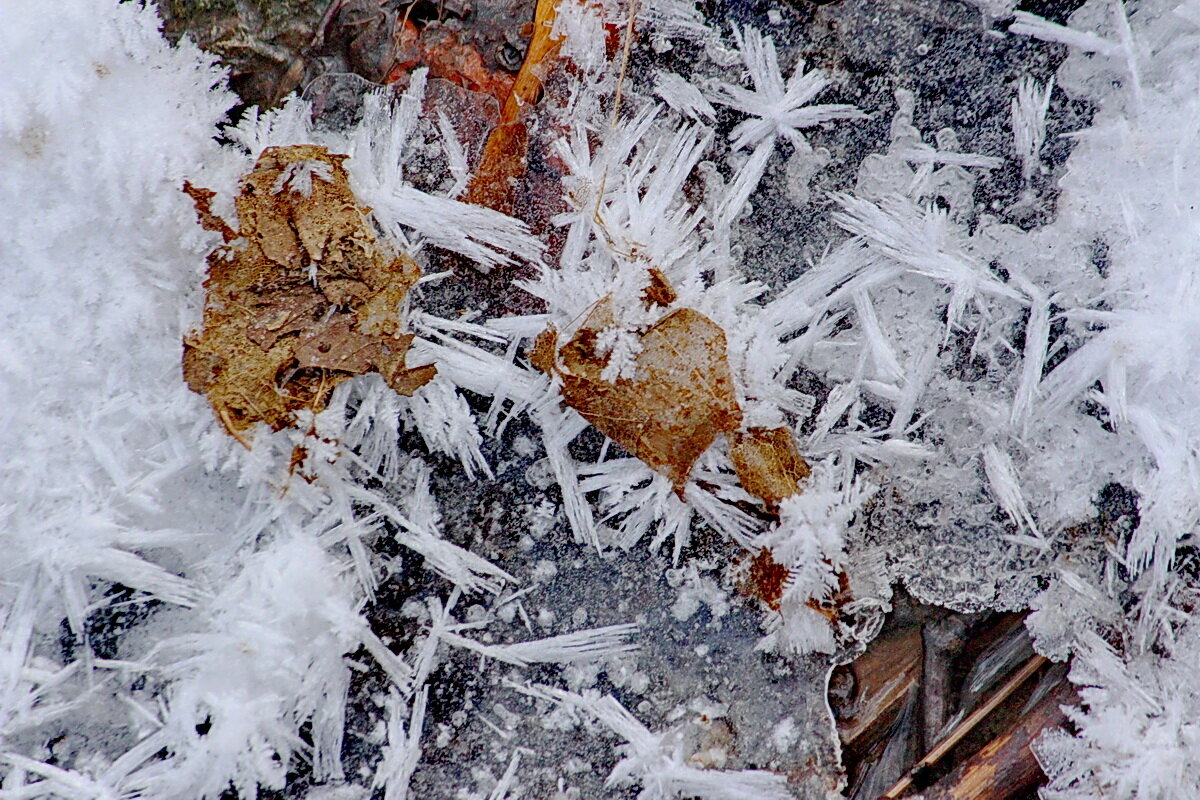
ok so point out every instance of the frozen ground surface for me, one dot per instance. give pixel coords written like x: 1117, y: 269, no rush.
x: 983, y: 335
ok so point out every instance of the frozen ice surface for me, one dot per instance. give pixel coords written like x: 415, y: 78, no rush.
x: 687, y: 676
x: 985, y: 346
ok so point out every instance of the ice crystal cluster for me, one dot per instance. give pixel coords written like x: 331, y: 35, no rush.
x: 183, y: 615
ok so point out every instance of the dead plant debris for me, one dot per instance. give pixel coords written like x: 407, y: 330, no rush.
x: 680, y: 398
x: 299, y: 299
x: 507, y: 149
x: 765, y: 579
x: 768, y: 463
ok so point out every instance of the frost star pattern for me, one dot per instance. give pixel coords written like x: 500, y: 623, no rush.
x: 181, y: 616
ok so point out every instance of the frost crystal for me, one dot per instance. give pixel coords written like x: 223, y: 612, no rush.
x: 298, y: 177
x: 1029, y: 123
x: 656, y: 761
x: 995, y: 416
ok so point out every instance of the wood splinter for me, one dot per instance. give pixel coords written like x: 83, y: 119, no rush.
x: 975, y: 770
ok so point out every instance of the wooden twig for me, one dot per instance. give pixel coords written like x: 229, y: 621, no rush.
x: 966, y: 726
x: 1006, y: 767
x: 506, y: 150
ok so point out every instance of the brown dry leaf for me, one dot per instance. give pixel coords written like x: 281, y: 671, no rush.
x: 303, y: 299
x: 542, y: 356
x: 680, y: 398
x: 768, y: 464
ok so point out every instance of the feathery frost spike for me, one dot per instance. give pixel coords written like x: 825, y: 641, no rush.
x: 1002, y: 476
x: 1033, y: 362
x: 657, y: 763
x: 683, y: 96
x: 484, y: 236
x: 919, y: 239
x: 402, y: 752
x: 1029, y: 109
x: 778, y: 108
x: 506, y: 780
x: 1028, y: 24
x: 588, y: 645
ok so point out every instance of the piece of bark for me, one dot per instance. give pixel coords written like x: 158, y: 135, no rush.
x: 964, y: 728
x: 301, y: 299
x: 768, y: 463
x: 1006, y: 769
x: 883, y: 677
x: 889, y: 757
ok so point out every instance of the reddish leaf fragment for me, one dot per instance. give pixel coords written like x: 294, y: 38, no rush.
x: 765, y: 579
x: 299, y: 454
x: 448, y: 56
x: 659, y: 291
